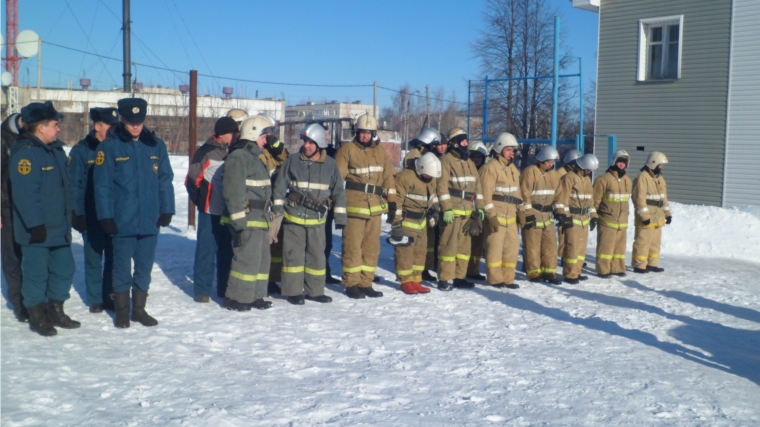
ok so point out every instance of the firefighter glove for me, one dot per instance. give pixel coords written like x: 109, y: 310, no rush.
x: 448, y: 216
x: 530, y: 222
x: 108, y: 226
x: 164, y: 220
x: 78, y: 222
x: 493, y: 224
x: 391, y: 212
x: 668, y: 220
x: 39, y: 234
x: 645, y: 222
x: 592, y: 223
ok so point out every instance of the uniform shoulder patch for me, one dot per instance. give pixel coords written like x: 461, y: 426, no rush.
x: 100, y: 158
x: 24, y: 166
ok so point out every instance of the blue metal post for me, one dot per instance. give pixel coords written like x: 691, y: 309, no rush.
x: 578, y: 139
x: 484, y: 135
x: 611, y: 147
x: 555, y: 86
x: 582, y: 143
x: 469, y: 85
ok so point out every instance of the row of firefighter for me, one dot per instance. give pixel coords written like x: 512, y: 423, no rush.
x: 266, y: 216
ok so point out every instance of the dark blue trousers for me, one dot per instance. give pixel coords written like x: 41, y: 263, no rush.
x: 223, y: 240
x: 141, y: 249
x: 98, y: 272
x: 205, y: 255
x: 47, y: 273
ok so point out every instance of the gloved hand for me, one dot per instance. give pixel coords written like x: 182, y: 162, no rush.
x: 668, y: 220
x: 39, y: 234
x: 340, y: 226
x: 164, y: 220
x: 564, y: 221
x: 391, y: 212
x: 109, y: 226
x: 592, y: 224
x: 530, y: 222
x: 482, y: 214
x: 448, y: 216
x: 272, y: 140
x: 78, y: 222
x: 646, y: 222
x: 493, y: 224
x: 236, y: 237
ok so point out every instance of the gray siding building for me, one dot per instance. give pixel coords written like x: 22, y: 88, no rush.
x: 681, y: 77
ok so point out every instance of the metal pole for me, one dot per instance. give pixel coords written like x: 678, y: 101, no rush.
x: 555, y: 85
x: 611, y: 147
x: 469, y: 85
x: 485, y: 112
x: 374, y: 101
x: 127, y: 49
x: 582, y: 147
x: 427, y: 95
x: 39, y: 67
x: 192, y: 137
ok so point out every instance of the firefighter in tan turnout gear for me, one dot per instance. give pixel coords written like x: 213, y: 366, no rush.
x: 575, y: 192
x: 415, y: 191
x: 368, y: 173
x: 569, y: 157
x: 539, y: 184
x: 461, y: 201
x: 307, y: 186
x: 503, y: 200
x: 650, y: 202
x: 479, y: 156
x: 247, y: 194
x: 612, y: 192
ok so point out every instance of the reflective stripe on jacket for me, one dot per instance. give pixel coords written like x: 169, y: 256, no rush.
x: 500, y: 177
x: 612, y: 194
x: 461, y: 175
x: 246, y: 178
x: 539, y: 187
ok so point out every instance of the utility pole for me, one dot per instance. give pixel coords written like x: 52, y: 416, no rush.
x: 192, y: 138
x: 427, y: 95
x: 374, y: 101
x: 127, y: 48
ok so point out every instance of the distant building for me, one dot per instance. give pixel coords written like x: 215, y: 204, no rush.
x: 331, y: 110
x: 681, y: 77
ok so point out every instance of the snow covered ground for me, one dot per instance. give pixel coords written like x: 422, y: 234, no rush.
x: 674, y: 349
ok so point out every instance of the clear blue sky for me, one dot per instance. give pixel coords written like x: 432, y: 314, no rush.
x: 294, y: 41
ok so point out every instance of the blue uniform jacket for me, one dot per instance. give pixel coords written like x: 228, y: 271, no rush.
x: 133, y: 182
x: 40, y: 182
x: 81, y: 174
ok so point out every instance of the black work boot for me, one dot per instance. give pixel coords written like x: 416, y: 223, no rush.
x: 354, y: 292
x: 655, y: 269
x: 368, y: 291
x: 321, y: 298
x: 640, y: 270
x: 445, y: 285
x: 261, y: 304
x: 582, y: 277
x: 121, y: 308
x: 572, y: 281
x: 96, y: 308
x: 231, y: 304
x: 604, y: 276
x: 376, y: 279
x: 21, y: 313
x: 139, y: 315
x: 464, y: 284
x: 427, y: 276
x: 476, y: 276
x: 38, y: 321
x: 506, y: 285
x: 273, y: 289
x: 552, y: 279
x: 619, y: 274
x: 58, y: 318
x: 296, y: 300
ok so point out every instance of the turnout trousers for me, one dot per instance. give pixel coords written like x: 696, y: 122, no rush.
x: 476, y: 253
x: 141, y: 249
x: 48, y: 273
x: 205, y: 255
x: 410, y: 260
x: 432, y: 246
x: 361, y: 248
x: 646, y: 247
x: 328, y: 241
x: 249, y: 273
x: 275, y: 268
x: 540, y: 251
x: 610, y: 250
x: 11, y: 255
x: 98, y: 265
x: 304, y: 260
x: 453, y: 250
x: 576, y: 242
x: 502, y: 249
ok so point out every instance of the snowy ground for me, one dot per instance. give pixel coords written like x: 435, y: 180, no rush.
x: 675, y: 349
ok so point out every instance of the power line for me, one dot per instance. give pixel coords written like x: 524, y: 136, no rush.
x: 421, y: 96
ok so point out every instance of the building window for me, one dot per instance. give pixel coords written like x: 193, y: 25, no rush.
x: 660, y: 48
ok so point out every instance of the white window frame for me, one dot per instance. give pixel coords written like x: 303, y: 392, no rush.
x: 644, y: 26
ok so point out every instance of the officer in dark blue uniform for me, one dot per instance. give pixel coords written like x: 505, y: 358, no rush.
x: 134, y: 196
x: 85, y: 219
x: 42, y: 218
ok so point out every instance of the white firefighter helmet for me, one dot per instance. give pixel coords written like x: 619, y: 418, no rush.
x: 366, y: 122
x: 238, y: 115
x: 655, y: 159
x: 428, y: 164
x: 453, y: 133
x: 547, y: 153
x: 253, y: 127
x: 316, y: 133
x: 504, y: 140
x: 588, y: 161
x: 571, y: 155
x: 429, y: 136
x: 270, y: 118
x: 618, y: 154
x: 477, y: 147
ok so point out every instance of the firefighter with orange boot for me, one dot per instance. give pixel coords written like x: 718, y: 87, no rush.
x: 612, y: 192
x: 461, y: 201
x: 368, y: 173
x: 415, y: 191
x: 650, y: 201
x: 479, y: 156
x: 575, y: 192
x: 539, y: 184
x: 503, y: 200
x: 567, y: 167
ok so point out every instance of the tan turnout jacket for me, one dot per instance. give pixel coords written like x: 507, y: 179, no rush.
x: 413, y: 196
x: 576, y: 193
x: 500, y: 177
x: 460, y: 175
x: 650, y: 199
x: 371, y: 167
x: 611, y: 199
x: 539, y: 188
